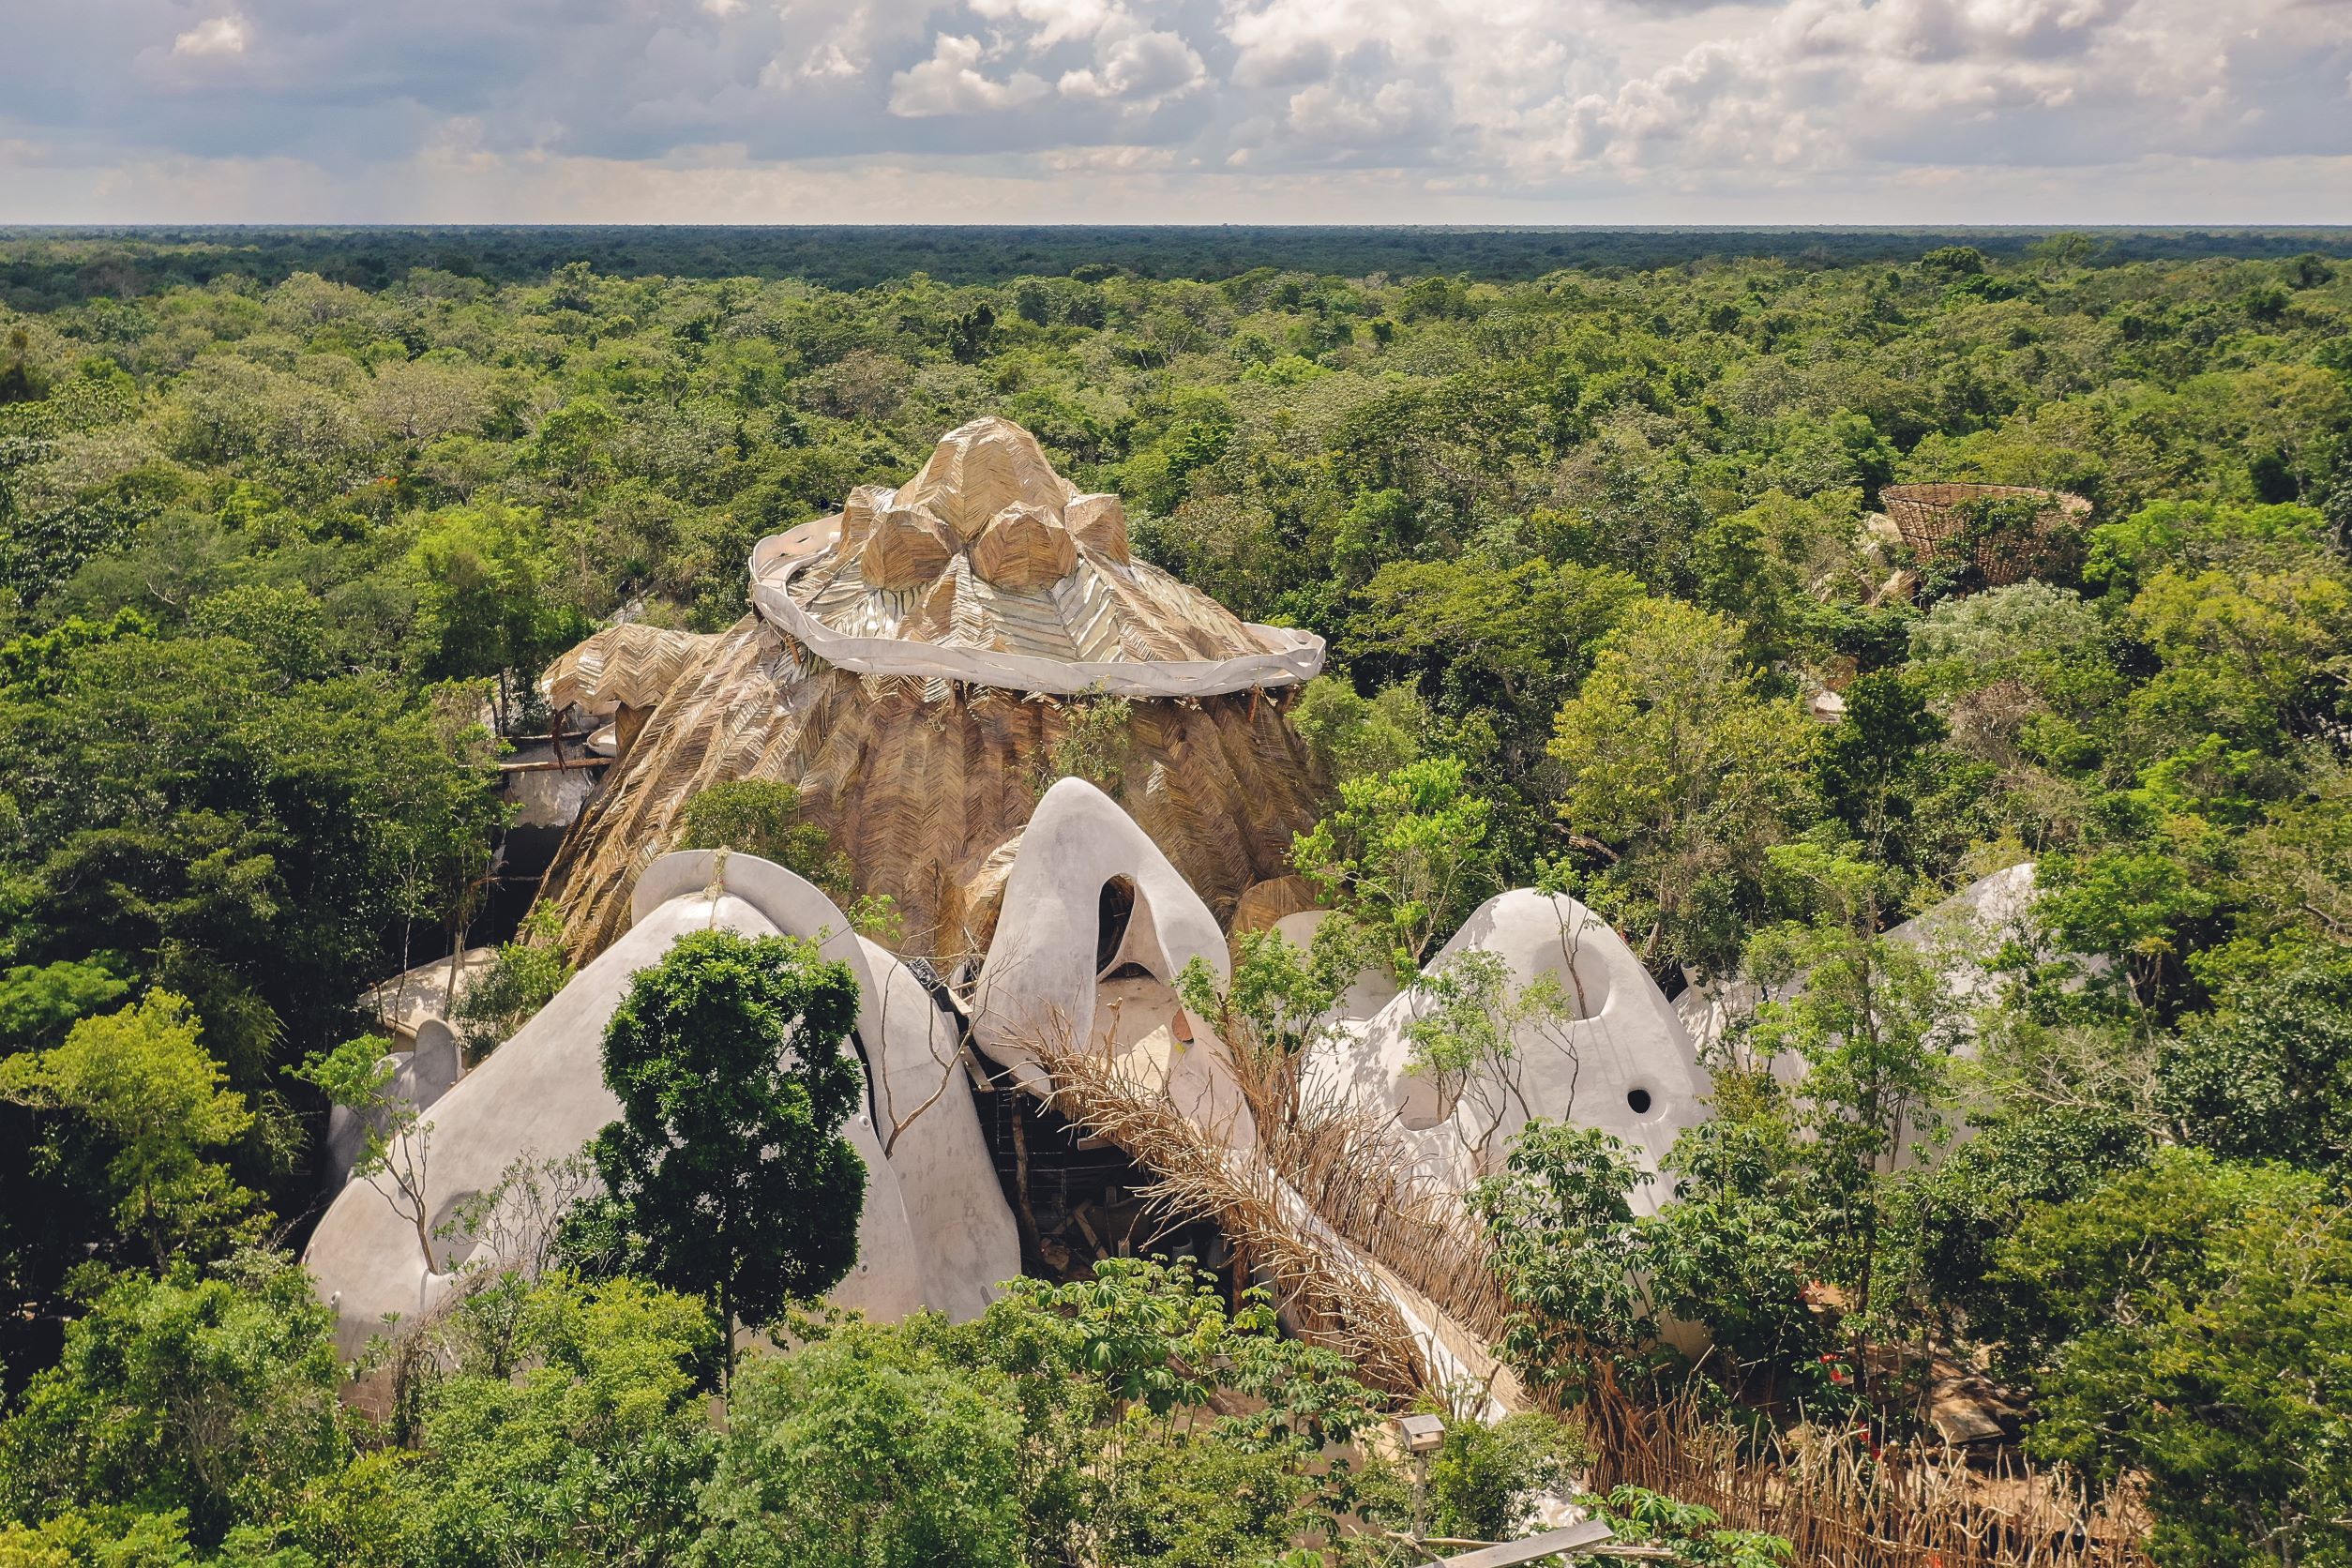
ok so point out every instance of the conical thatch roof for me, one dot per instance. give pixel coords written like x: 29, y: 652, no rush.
x: 911, y: 665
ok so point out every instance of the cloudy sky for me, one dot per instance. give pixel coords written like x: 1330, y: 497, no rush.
x: 1159, y: 111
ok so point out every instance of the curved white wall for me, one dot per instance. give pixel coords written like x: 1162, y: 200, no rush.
x: 934, y: 1231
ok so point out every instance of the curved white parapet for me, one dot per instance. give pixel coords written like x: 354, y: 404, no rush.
x: 934, y: 1231
x: 1624, y: 1064
x: 1291, y: 657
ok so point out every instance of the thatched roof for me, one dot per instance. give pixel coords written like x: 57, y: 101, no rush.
x: 919, y: 723
x: 621, y: 667
x: 990, y: 568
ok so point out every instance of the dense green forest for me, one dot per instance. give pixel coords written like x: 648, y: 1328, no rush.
x: 280, y: 552
x: 42, y: 268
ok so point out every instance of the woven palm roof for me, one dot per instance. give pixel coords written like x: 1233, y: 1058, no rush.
x: 625, y: 666
x: 988, y: 549
x: 909, y: 667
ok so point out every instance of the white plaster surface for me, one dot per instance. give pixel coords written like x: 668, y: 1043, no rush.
x: 1625, y: 1037
x: 934, y: 1231
x: 1040, y: 975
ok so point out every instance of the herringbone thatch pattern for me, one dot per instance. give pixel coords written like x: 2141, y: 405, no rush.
x: 627, y: 666
x: 1930, y: 517
x: 919, y: 782
x: 980, y: 601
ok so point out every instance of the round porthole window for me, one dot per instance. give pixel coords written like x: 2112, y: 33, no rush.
x: 1638, y: 1100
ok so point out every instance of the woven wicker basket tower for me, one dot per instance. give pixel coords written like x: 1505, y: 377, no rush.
x: 911, y: 663
x: 1933, y: 518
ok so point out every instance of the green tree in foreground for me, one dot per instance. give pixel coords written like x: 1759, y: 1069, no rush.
x: 863, y: 1449
x: 560, y: 1422
x: 143, y: 1079
x: 2191, y: 1321
x: 728, y: 1174
x: 211, y: 1397
x: 1568, y: 1247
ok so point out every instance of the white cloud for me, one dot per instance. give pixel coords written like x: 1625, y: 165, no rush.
x: 1327, y: 114
x: 218, y: 35
x: 1056, y: 21
x: 829, y: 60
x: 952, y: 83
x: 2194, y: 111
x: 1141, y: 69
x: 1112, y: 160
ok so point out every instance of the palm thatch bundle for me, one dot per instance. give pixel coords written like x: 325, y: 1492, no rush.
x: 1329, y: 1292
x: 1842, y: 1504
x: 628, y: 666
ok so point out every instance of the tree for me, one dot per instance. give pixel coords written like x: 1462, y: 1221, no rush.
x: 396, y: 1143
x: 761, y: 817
x: 1874, y: 766
x: 1121, y: 1462
x: 1095, y: 743
x: 143, y: 1081
x: 2193, y: 1320
x: 1874, y: 1022
x: 2267, y: 1074
x: 1468, y: 1035
x: 523, y: 978
x: 243, y: 844
x: 1568, y: 1249
x: 212, y: 1395
x: 1280, y: 1003
x: 561, y: 1422
x: 1481, y: 1476
x: 1679, y: 773
x: 1406, y: 854
x: 484, y: 604
x: 862, y: 1450
x: 2244, y: 650
x: 727, y: 1170
x: 1743, y: 1238
x: 1353, y: 735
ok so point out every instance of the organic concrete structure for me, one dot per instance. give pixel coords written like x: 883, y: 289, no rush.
x: 911, y: 663
x: 906, y: 667
x: 1621, y: 1060
x: 934, y: 1232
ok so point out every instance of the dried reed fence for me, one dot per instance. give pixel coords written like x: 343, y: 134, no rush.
x: 1842, y: 1508
x: 1324, y: 1189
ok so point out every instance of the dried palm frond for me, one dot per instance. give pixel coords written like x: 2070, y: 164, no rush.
x: 1331, y: 1293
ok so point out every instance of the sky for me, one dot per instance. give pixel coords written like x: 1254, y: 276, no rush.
x: 1862, y: 112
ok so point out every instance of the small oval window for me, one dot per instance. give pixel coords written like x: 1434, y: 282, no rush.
x: 1640, y: 1100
